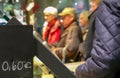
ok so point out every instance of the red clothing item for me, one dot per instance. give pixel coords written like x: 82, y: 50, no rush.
x: 53, y: 32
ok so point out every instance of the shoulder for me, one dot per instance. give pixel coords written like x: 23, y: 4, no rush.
x: 74, y: 26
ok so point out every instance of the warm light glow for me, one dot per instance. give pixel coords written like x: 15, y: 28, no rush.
x: 30, y: 6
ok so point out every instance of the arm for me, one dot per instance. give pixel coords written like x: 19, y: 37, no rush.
x: 105, y: 55
x: 72, y: 41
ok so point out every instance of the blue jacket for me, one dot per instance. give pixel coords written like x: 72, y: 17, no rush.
x: 105, y: 55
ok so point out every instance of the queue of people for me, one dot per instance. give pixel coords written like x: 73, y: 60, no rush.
x: 96, y: 40
x: 68, y: 45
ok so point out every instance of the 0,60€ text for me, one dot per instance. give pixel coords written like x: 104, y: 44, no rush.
x: 16, y: 65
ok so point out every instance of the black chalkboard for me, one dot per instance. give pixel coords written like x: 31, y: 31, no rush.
x: 17, y: 48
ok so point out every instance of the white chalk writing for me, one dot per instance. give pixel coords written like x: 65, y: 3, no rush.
x: 16, y: 65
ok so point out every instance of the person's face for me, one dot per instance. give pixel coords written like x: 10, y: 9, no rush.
x: 93, y: 7
x: 82, y: 20
x: 66, y: 20
x: 49, y: 17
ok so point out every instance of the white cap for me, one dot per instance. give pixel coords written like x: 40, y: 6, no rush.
x: 51, y: 10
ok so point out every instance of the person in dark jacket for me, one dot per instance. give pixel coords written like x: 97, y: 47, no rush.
x: 67, y: 47
x: 105, y: 55
x: 88, y: 44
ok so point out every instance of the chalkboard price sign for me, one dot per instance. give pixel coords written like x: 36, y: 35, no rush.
x: 16, y: 69
x: 17, y: 49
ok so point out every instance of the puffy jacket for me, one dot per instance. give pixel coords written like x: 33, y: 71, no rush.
x: 105, y: 55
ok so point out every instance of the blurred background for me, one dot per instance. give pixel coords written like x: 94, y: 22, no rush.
x: 31, y: 11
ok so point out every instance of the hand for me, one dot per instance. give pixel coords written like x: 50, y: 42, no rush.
x: 58, y: 52
x: 53, y: 48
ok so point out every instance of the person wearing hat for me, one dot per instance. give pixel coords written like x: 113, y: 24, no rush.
x: 51, y: 28
x: 71, y: 37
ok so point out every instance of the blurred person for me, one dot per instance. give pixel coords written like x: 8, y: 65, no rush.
x: 51, y: 31
x: 88, y: 44
x: 84, y: 23
x: 94, y: 5
x: 105, y: 54
x: 71, y: 37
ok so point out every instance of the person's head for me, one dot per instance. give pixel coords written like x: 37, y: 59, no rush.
x: 68, y: 15
x: 50, y: 13
x: 94, y: 4
x: 83, y: 18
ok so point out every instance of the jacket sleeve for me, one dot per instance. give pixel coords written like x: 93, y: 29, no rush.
x: 72, y: 40
x: 105, y: 55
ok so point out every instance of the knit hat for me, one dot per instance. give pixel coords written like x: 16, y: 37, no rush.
x: 51, y: 10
